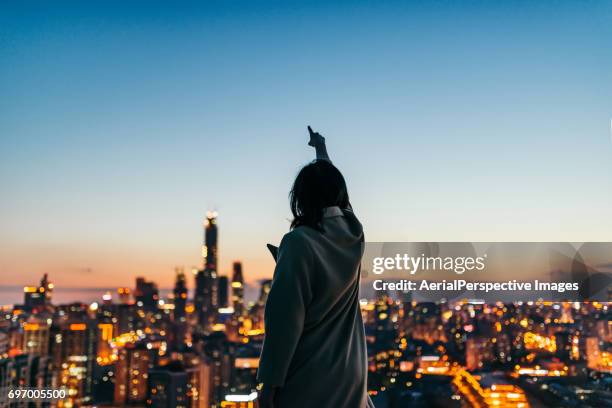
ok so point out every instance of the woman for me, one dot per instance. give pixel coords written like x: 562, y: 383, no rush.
x: 314, y: 352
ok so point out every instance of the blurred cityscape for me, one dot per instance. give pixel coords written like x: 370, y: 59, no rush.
x: 203, y: 350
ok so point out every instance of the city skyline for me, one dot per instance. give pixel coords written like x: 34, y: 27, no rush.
x: 121, y: 126
x: 140, y: 348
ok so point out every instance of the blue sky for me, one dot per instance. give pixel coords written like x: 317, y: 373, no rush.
x: 121, y: 124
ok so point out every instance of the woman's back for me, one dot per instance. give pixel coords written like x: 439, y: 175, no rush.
x: 314, y: 348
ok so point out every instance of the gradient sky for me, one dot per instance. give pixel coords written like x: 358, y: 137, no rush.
x: 121, y: 124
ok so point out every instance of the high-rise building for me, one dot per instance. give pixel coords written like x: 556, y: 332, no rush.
x: 238, y: 289
x: 168, y: 386
x: 179, y: 319
x: 180, y: 296
x: 132, y: 370
x: 266, y: 285
x: 598, y: 355
x: 221, y: 354
x: 104, y: 354
x: 199, y: 380
x: 20, y: 371
x: 146, y: 294
x: 478, y: 352
x: 197, y: 366
x: 206, y: 300
x: 256, y: 312
x: 35, y: 338
x: 124, y: 295
x: 4, y: 344
x: 210, y: 248
x: 74, y: 350
x: 37, y: 298
x: 125, y: 318
x: 223, y: 288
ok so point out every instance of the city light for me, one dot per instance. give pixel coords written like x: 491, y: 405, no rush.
x: 241, y: 398
x: 534, y: 341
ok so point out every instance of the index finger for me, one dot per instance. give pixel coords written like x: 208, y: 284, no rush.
x: 310, y: 130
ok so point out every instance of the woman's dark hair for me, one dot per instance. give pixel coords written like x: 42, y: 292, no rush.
x: 318, y: 185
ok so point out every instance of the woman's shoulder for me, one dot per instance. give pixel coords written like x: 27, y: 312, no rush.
x: 296, y: 243
x: 298, y: 235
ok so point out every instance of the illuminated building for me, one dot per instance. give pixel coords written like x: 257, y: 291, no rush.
x: 220, y: 355
x: 24, y: 370
x: 223, y: 289
x: 105, y: 355
x: 206, y: 296
x: 75, y: 348
x: 37, y: 298
x: 488, y: 391
x: 238, y: 289
x: 132, y: 371
x: 126, y: 318
x: 124, y: 295
x: 426, y: 323
x: 198, y: 371
x: 199, y: 379
x: 433, y: 365
x: 543, y: 369
x: 603, y: 329
x: 258, y: 309
x: 478, y: 352
x: 563, y: 344
x: 4, y: 345
x: 246, y: 362
x: 35, y: 338
x: 266, y: 285
x: 146, y: 295
x: 168, y: 386
x: 537, y: 342
x: 598, y: 359
x: 179, y: 320
x: 180, y: 296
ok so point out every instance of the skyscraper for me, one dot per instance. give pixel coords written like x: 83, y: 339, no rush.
x: 206, y: 299
x: 74, y: 343
x: 209, y: 248
x: 124, y: 295
x: 266, y: 285
x: 223, y: 287
x: 146, y: 294
x: 180, y: 295
x: 35, y: 338
x: 37, y: 298
x: 179, y: 320
x: 132, y: 371
x: 238, y: 289
x: 168, y: 386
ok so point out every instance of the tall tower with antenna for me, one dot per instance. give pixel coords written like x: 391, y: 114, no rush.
x: 206, y: 299
x: 209, y: 246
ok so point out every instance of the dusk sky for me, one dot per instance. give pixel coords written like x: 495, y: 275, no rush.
x: 451, y: 121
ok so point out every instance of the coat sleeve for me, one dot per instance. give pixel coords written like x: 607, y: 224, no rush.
x: 285, y: 310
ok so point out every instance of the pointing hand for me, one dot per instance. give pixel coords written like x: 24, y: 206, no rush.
x: 316, y: 140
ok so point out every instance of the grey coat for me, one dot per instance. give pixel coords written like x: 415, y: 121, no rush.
x: 314, y: 347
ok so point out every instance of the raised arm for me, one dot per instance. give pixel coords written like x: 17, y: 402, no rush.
x: 318, y: 142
